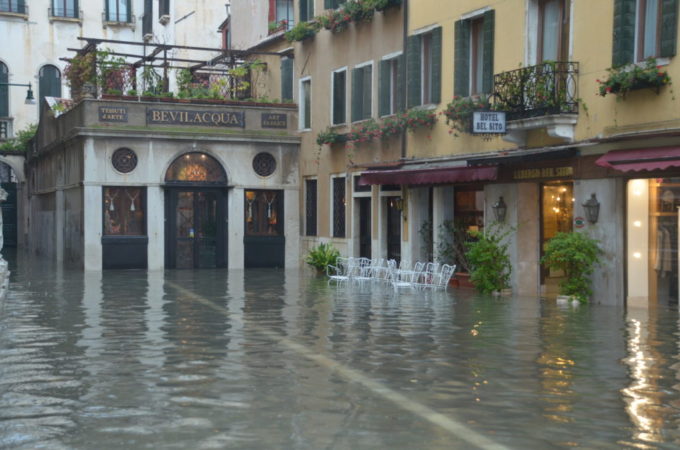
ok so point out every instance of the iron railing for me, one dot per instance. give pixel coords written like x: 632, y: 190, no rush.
x: 544, y: 89
x: 5, y: 128
x: 68, y: 13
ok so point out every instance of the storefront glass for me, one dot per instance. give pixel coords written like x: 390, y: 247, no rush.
x: 124, y: 211
x: 557, y: 206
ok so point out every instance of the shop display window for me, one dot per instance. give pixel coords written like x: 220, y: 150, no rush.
x: 263, y: 213
x: 124, y: 211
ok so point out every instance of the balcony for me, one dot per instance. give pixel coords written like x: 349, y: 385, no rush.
x: 13, y: 8
x: 5, y: 128
x: 64, y: 14
x: 540, y: 96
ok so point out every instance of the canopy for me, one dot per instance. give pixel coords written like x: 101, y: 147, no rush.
x: 641, y: 159
x: 437, y: 175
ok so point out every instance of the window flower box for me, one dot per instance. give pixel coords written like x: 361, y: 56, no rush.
x: 622, y: 80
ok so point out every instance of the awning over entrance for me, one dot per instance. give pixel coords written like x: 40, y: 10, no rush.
x: 437, y: 175
x: 641, y: 159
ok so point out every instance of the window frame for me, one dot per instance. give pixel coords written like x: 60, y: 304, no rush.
x: 333, y: 177
x: 143, y: 207
x: 15, y: 7
x: 333, y: 85
x: 426, y: 68
x: 476, y: 62
x: 564, y: 35
x: 278, y: 209
x: 108, y: 14
x: 302, y: 114
x: 307, y: 231
x: 640, y: 30
x: 393, y: 90
x: 65, y: 10
x: 362, y: 66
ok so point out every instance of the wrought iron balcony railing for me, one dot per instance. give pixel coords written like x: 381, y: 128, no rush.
x: 545, y: 89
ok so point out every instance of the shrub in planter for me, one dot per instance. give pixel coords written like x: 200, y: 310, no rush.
x: 489, y: 260
x: 382, y: 5
x: 321, y: 256
x: 330, y: 137
x: 302, y: 31
x: 621, y: 80
x: 576, y: 254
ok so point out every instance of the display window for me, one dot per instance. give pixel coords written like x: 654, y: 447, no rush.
x: 124, y: 211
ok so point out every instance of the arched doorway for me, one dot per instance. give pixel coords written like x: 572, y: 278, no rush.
x: 195, y: 212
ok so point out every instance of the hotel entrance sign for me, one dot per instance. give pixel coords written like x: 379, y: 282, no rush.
x: 488, y: 122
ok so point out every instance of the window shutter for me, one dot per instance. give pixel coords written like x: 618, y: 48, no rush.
x: 4, y: 98
x: 147, y: 22
x: 287, y: 79
x: 669, y: 28
x: 106, y: 9
x: 461, y: 72
x: 384, y: 88
x: 76, y: 12
x: 357, y: 88
x: 367, y: 92
x: 624, y: 32
x: 436, y: 85
x: 328, y: 4
x: 399, y: 103
x: 413, y: 70
x: 303, y: 10
x: 487, y: 71
x: 128, y: 18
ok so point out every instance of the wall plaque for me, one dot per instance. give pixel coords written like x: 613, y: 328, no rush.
x: 195, y: 118
x: 271, y: 120
x: 113, y: 114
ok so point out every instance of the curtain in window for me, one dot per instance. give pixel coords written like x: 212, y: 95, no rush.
x: 551, y: 30
x: 651, y: 13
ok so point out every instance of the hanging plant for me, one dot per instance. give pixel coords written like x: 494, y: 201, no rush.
x: 382, y: 5
x: 81, y: 69
x: 621, y: 80
x: 359, y: 11
x: 459, y: 112
x: 330, y: 137
x: 365, y: 131
x: 336, y: 20
x: 302, y: 31
x: 416, y: 118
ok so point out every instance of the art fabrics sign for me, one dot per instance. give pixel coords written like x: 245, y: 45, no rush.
x: 195, y: 118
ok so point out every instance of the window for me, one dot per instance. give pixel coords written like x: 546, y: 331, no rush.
x: 306, y: 10
x: 263, y: 214
x: 287, y: 64
x: 118, y: 11
x: 305, y: 103
x: 643, y: 29
x: 338, y: 206
x: 332, y: 4
x: 4, y: 90
x: 13, y: 6
x: 163, y: 8
x: 281, y: 12
x: 339, y: 97
x: 474, y: 47
x: 49, y: 82
x: 391, y: 85
x: 124, y: 211
x: 362, y: 86
x: 147, y: 21
x: 310, y: 208
x: 65, y: 8
x: 424, y: 56
x: 553, y: 30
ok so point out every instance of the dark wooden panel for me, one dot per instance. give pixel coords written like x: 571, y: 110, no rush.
x: 125, y: 252
x: 264, y: 251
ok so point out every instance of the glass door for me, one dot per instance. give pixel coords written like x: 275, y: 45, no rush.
x: 557, y: 216
x: 365, y: 227
x: 393, y: 229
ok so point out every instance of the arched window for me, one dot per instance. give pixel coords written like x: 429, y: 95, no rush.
x: 50, y: 82
x: 4, y: 90
x: 196, y: 167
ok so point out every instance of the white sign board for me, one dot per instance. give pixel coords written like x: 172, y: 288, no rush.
x: 487, y: 122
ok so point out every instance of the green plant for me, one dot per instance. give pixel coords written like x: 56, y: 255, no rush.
x: 329, y: 136
x: 20, y: 142
x: 152, y: 81
x: 382, y: 5
x: 321, y: 256
x: 452, y: 244
x: 302, y: 31
x: 426, y: 237
x: 415, y: 118
x: 132, y: 92
x: 359, y: 10
x: 459, y: 112
x: 621, y: 80
x: 81, y: 69
x: 576, y: 254
x: 114, y: 92
x: 489, y: 260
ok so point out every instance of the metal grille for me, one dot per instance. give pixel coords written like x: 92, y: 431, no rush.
x: 310, y: 207
x: 196, y: 167
x: 4, y: 129
x: 124, y: 160
x: 264, y: 164
x: 544, y: 89
x: 339, y: 207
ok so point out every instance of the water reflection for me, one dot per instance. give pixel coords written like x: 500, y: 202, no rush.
x: 261, y: 359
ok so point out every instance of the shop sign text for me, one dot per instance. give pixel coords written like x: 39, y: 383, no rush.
x: 196, y: 118
x: 270, y: 120
x: 113, y: 114
x: 545, y: 172
x: 488, y: 122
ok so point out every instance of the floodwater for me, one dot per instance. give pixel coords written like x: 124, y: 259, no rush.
x: 280, y: 359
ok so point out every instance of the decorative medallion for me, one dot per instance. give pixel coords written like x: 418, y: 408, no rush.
x: 264, y: 164
x: 124, y: 160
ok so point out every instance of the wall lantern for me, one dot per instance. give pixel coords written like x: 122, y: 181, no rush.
x: 499, y: 209
x: 592, y: 208
x: 397, y: 203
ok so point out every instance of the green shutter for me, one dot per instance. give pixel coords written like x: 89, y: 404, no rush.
x: 328, y: 4
x: 357, y: 88
x: 4, y: 98
x: 461, y: 70
x: 399, y: 103
x: 106, y: 10
x: 624, y: 32
x: 76, y: 12
x: 367, y: 93
x: 287, y: 79
x: 487, y: 67
x: 436, y: 83
x: 413, y: 70
x: 384, y: 88
x: 304, y: 13
x: 669, y: 28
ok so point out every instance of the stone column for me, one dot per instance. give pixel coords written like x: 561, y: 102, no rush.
x: 4, y: 269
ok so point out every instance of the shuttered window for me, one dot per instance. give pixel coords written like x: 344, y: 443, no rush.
x: 49, y: 82
x: 147, y: 21
x: 164, y: 8
x: 473, y: 55
x: 310, y: 208
x: 338, y: 206
x: 305, y: 104
x: 4, y: 90
x: 424, y: 60
x: 362, y: 85
x: 643, y: 29
x: 287, y: 79
x: 391, y: 86
x: 339, y: 97
x: 306, y: 10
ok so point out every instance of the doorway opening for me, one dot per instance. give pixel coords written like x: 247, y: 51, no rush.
x: 393, y: 228
x: 557, y: 216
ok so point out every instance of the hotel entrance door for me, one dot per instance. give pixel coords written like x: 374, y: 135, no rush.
x: 557, y: 216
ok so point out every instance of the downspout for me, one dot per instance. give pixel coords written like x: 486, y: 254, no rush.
x: 405, y: 72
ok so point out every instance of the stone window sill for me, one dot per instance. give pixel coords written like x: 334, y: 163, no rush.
x: 14, y: 15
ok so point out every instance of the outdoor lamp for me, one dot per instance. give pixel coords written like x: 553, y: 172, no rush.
x: 499, y: 209
x: 592, y: 208
x: 30, y: 100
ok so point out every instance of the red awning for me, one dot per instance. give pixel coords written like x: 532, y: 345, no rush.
x: 641, y: 159
x: 438, y: 175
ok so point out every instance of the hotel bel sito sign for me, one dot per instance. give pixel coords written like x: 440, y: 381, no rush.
x: 195, y: 118
x: 488, y: 122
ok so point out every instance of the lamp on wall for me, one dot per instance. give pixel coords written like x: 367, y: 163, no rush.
x: 30, y: 99
x: 397, y: 203
x: 592, y: 209
x: 500, y: 209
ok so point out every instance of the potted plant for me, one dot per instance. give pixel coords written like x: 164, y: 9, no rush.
x: 459, y: 112
x: 576, y: 254
x: 302, y: 31
x: 621, y: 80
x: 322, y: 256
x: 382, y: 5
x: 330, y: 137
x: 489, y: 261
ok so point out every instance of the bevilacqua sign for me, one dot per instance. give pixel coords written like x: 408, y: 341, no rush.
x: 195, y: 118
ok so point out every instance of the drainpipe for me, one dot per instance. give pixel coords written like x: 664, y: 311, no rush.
x: 405, y: 71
